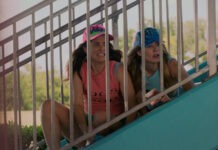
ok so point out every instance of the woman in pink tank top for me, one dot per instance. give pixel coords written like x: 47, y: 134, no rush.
x: 98, y: 90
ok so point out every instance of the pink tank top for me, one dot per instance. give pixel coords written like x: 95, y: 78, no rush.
x: 99, y: 91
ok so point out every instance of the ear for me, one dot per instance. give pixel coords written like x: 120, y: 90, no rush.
x: 139, y: 53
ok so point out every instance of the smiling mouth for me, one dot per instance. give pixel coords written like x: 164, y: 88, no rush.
x: 101, y: 54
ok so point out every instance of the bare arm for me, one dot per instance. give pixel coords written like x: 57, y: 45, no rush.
x: 173, y: 67
x: 131, y: 92
x: 78, y: 103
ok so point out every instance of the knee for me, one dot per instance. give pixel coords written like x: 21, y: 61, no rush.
x: 46, y: 108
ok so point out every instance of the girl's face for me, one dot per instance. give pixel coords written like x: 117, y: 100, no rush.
x: 152, y: 53
x: 98, y: 49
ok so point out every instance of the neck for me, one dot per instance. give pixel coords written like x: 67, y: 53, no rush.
x: 151, y: 68
x: 97, y: 67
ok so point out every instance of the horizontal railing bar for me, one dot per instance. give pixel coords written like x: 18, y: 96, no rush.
x: 136, y: 108
x: 39, y: 22
x: 62, y: 29
x: 25, y: 13
x: 34, y: 9
x: 193, y: 58
x: 56, y: 32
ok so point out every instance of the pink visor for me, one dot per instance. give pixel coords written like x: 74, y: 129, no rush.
x: 96, y: 31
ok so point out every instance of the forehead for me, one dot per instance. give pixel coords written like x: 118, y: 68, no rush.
x: 153, y: 44
x: 99, y: 39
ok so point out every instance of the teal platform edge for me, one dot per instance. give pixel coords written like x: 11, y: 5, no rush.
x: 190, y: 122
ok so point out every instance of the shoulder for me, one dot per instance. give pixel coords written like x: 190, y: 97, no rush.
x: 117, y: 69
x: 173, y: 63
x: 76, y: 78
x: 173, y: 67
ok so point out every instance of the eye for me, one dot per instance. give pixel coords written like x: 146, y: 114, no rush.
x: 149, y: 46
x: 95, y: 44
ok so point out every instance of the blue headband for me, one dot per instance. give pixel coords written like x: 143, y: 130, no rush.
x: 151, y: 35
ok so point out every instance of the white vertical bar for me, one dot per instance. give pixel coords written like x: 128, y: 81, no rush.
x: 101, y: 2
x: 33, y: 64
x: 61, y: 63
x: 139, y: 11
x: 196, y: 35
x: 161, y: 48
x: 4, y: 102
x: 125, y: 37
x: 107, y: 62
x: 115, y: 28
x: 89, y: 52
x: 46, y: 65
x: 71, y: 72
x: 73, y: 17
x: 52, y: 78
x: 179, y: 38
x: 168, y: 26
x: 153, y: 13
x: 142, y: 47
x: 15, y: 46
x: 211, y: 36
x: 19, y: 108
x: 182, y: 41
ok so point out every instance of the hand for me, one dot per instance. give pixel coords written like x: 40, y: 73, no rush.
x: 90, y: 140
x: 153, y: 92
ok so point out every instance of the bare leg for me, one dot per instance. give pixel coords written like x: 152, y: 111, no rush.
x: 61, y: 124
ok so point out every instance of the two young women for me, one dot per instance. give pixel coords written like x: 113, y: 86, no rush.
x: 98, y: 93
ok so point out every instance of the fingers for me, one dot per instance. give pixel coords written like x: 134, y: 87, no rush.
x: 151, y: 93
x: 154, y: 92
x: 152, y: 103
x: 165, y: 98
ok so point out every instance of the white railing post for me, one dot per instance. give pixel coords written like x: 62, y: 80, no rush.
x: 89, y: 52
x: 15, y: 85
x: 179, y: 37
x: 115, y: 28
x: 125, y: 38
x: 211, y: 36
x: 33, y: 66
x: 196, y: 35
x: 142, y: 28
x: 108, y: 106
x: 161, y: 48
x: 53, y: 134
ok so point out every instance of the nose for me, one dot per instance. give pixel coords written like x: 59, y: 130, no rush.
x: 156, y: 48
x: 102, y: 46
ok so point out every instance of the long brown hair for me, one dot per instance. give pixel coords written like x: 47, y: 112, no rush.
x: 79, y: 56
x: 134, y: 68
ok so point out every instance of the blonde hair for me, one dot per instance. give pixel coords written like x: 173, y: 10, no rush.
x: 134, y: 64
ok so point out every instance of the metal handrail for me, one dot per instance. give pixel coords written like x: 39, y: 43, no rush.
x: 33, y: 9
x: 56, y: 32
x: 37, y: 23
x: 60, y: 30
x: 25, y: 13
